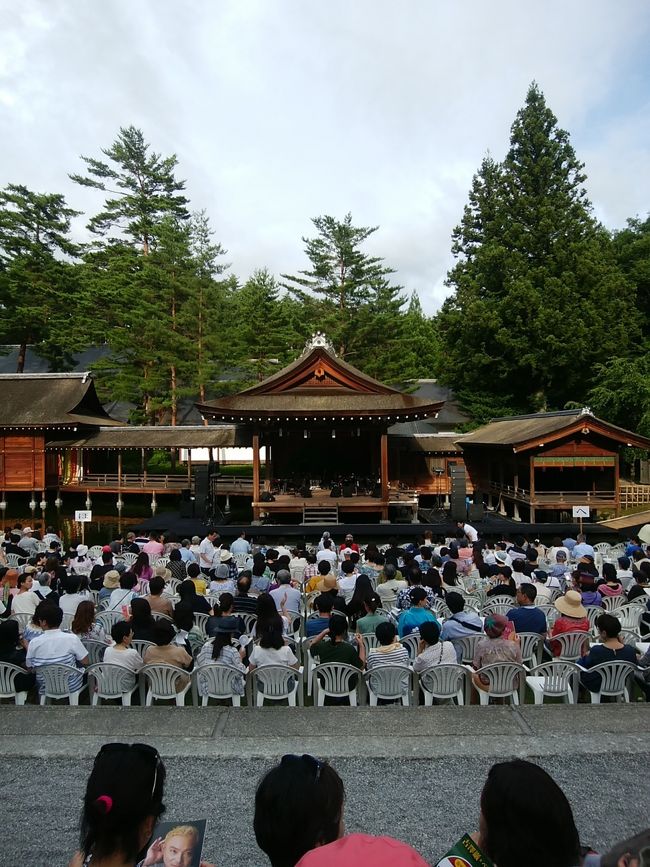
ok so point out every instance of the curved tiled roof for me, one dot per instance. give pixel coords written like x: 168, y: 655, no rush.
x: 50, y: 400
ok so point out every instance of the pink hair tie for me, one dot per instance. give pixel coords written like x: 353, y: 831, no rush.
x: 107, y: 801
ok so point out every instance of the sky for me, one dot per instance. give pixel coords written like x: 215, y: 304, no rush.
x: 282, y: 110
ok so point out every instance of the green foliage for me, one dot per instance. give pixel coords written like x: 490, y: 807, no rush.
x: 622, y: 392
x: 537, y: 290
x: 632, y: 248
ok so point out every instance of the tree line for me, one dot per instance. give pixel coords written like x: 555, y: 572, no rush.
x: 547, y: 309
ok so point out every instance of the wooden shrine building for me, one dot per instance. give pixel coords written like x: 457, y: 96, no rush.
x: 544, y: 464
x: 324, y: 425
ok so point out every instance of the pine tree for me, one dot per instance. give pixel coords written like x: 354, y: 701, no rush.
x: 632, y: 249
x: 537, y: 291
x: 40, y: 294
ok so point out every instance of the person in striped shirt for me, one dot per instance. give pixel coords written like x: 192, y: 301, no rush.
x: 390, y: 651
x: 56, y: 647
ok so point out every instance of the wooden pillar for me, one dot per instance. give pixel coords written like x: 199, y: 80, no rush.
x: 384, y: 476
x: 256, y: 478
x: 267, y: 468
x: 119, y: 472
x: 617, y: 487
x: 189, y: 468
x: 532, y: 490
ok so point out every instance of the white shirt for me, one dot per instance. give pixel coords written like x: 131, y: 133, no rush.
x: 327, y: 554
x: 24, y: 603
x: 54, y: 646
x: 129, y: 658
x: 348, y: 583
x: 69, y: 602
x: 207, y: 553
x: 470, y: 532
x: 119, y: 598
x: 270, y: 656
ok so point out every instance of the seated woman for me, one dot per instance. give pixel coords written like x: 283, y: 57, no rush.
x: 12, y: 650
x: 505, y: 585
x: 371, y: 619
x: 610, y: 586
x: 176, y: 565
x: 84, y: 624
x: 221, y: 582
x: 611, y: 648
x: 417, y: 614
x: 268, y: 617
x: 167, y: 651
x: 188, y: 635
x: 586, y: 585
x: 272, y: 650
x: 432, y: 651
x: 187, y: 593
x: 641, y: 587
x: 121, y: 653
x: 450, y: 576
x: 143, y: 572
x: 142, y: 622
x: 158, y: 601
x: 494, y: 648
x: 121, y: 599
x: 574, y: 618
x: 298, y: 807
x: 224, y: 618
x: 197, y: 577
x: 355, y: 609
x: 222, y: 650
x: 518, y: 796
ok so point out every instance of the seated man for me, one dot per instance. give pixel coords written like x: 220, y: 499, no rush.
x: 390, y: 651
x: 285, y: 594
x: 527, y: 617
x: 461, y: 623
x: 54, y: 646
x: 432, y: 650
x: 324, y: 605
x: 417, y: 614
x: 348, y: 579
x: 244, y: 602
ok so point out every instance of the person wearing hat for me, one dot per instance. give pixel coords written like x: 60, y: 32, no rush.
x: 495, y: 647
x: 110, y: 582
x: 329, y: 585
x: 221, y: 581
x: 27, y: 541
x: 81, y: 564
x: 225, y: 556
x: 573, y: 618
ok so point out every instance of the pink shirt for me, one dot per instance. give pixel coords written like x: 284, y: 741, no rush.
x: 153, y: 549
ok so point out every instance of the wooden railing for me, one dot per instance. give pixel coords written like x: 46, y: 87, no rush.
x: 634, y: 495
x: 133, y: 481
x: 559, y: 498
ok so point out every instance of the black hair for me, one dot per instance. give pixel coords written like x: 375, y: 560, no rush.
x: 141, y: 613
x: 298, y: 806
x: 450, y: 574
x: 518, y: 796
x: 120, y: 630
x: 528, y: 590
x: 417, y: 594
x: 324, y: 567
x: 324, y: 603
x: 187, y: 591
x: 609, y: 624
x: 372, y: 602
x: 268, y: 617
x: 430, y: 632
x: 338, y: 627
x: 609, y: 572
x: 183, y: 616
x: 51, y: 614
x: 107, y: 556
x: 272, y: 638
x: 71, y: 583
x: 193, y: 570
x: 163, y: 632
x: 455, y: 602
x: 385, y: 632
x: 221, y: 640
x: 125, y: 788
x: 127, y: 581
x: 156, y: 585
x: 347, y: 567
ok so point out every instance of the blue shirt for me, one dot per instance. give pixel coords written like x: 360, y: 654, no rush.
x: 528, y: 618
x: 314, y: 626
x: 413, y: 618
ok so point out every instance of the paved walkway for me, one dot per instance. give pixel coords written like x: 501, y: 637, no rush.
x: 416, y: 773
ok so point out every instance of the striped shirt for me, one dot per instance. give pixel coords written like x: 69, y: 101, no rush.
x: 399, y: 655
x: 56, y: 647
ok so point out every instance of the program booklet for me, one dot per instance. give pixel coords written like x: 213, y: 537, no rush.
x: 176, y: 843
x: 465, y: 853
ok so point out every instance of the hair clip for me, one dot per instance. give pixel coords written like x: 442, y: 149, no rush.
x: 107, y: 802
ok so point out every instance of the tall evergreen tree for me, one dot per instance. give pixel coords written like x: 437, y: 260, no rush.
x: 632, y: 248
x: 537, y: 291
x: 39, y: 290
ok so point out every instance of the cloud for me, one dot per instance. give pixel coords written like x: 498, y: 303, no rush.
x: 282, y: 111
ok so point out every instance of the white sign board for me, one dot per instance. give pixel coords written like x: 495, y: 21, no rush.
x: 83, y: 516
x: 581, y: 511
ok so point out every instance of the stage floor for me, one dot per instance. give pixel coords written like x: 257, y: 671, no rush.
x: 321, y: 498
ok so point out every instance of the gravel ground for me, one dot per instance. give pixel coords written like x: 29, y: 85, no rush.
x: 427, y: 803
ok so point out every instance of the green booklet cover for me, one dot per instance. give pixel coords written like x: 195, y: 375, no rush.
x: 465, y: 853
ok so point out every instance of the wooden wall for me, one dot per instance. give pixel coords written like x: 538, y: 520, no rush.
x: 22, y: 463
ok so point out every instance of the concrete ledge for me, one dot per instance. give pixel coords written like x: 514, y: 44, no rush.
x: 384, y: 732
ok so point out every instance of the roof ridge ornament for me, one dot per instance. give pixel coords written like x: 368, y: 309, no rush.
x: 586, y: 410
x: 318, y: 340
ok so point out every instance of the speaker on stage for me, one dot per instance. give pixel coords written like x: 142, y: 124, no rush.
x: 336, y: 491
x: 267, y: 497
x: 348, y: 490
x: 201, y: 489
x: 305, y: 492
x: 458, y: 492
x: 476, y: 512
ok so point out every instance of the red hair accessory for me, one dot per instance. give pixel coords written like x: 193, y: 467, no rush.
x: 106, y: 801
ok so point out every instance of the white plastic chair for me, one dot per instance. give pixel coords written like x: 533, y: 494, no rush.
x: 13, y: 560
x: 389, y: 682
x: 505, y: 680
x: 531, y: 644
x: 603, y: 548
x: 249, y: 623
x: 22, y: 620
x: 557, y: 679
x: 629, y: 615
x: 334, y: 679
x: 8, y: 674
x: 129, y: 557
x: 218, y: 681
x: 162, y: 561
x: 612, y: 603
x: 107, y: 619
x: 276, y: 683
x: 110, y: 681
x: 241, y: 560
x: 387, y: 602
x: 95, y: 551
x: 615, y: 677
x: 411, y: 642
x: 96, y: 650
x: 443, y: 682
x: 440, y: 608
x: 593, y: 613
x: 467, y: 646
x: 370, y: 641
x: 573, y: 645
x: 158, y: 615
x: 141, y: 645
x: 66, y: 622
x: 201, y: 621
x: 56, y: 678
x: 160, y: 681
x: 494, y: 605
x: 550, y: 612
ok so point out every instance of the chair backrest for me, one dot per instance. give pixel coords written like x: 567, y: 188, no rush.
x: 111, y: 680
x: 387, y: 602
x: 22, y: 620
x: 630, y: 636
x: 334, y: 678
x: 411, y: 642
x: 96, y: 650
x: 8, y: 674
x: 389, y: 681
x: 162, y: 679
x: 370, y: 641
x: 603, y: 548
x: 56, y: 679
x: 249, y: 622
x: 217, y: 680
x: 95, y: 551
x: 572, y: 645
x: 440, y: 609
x: 495, y: 607
x: 630, y: 615
x: 162, y: 561
x: 129, y: 557
x: 531, y: 647
x: 614, y: 676
x: 172, y: 584
x: 66, y: 622
x: 141, y: 645
x: 550, y: 612
x: 201, y: 621
x: 467, y: 646
x: 593, y: 613
x: 158, y: 615
x: 241, y: 560
x: 278, y: 681
x: 106, y: 619
x: 558, y: 675
x: 196, y: 642
x: 444, y: 681
x: 94, y: 595
x: 13, y: 560
x: 503, y: 678
x: 612, y: 602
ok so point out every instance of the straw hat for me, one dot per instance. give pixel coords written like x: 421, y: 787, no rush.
x: 112, y: 580
x: 571, y: 604
x: 328, y: 583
